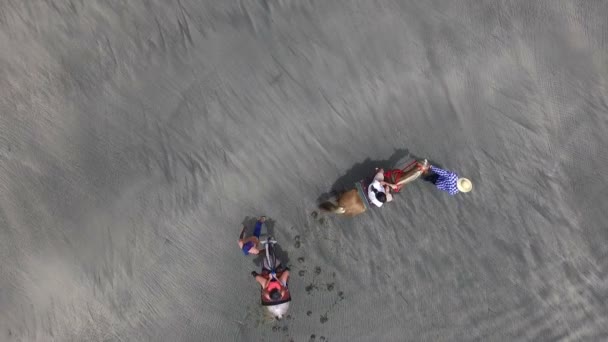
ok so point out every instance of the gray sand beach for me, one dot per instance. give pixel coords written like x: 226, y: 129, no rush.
x: 137, y: 137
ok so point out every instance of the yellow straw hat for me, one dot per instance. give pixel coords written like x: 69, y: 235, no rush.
x: 464, y: 185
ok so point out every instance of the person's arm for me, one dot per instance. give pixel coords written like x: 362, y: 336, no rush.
x: 284, y: 277
x: 390, y: 185
x: 261, y: 280
x: 440, y: 172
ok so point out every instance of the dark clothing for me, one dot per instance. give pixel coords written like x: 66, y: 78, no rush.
x: 431, y: 177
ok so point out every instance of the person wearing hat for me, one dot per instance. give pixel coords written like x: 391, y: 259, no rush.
x: 447, y: 181
x: 250, y: 244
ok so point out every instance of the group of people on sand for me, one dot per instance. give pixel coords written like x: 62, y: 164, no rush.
x: 385, y: 182
x: 379, y: 189
x: 274, y: 277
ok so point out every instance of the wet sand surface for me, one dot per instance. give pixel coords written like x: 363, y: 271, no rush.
x: 136, y: 137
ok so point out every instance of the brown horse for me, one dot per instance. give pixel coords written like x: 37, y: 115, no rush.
x: 349, y: 204
x: 353, y: 202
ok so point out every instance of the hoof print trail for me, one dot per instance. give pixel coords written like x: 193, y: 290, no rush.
x: 297, y: 241
x: 310, y: 287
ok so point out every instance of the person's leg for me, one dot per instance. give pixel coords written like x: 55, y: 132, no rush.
x: 409, y: 176
x: 258, y: 229
x: 393, y: 176
x: 431, y: 177
x: 413, y: 173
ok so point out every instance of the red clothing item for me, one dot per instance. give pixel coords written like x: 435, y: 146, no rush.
x: 393, y: 176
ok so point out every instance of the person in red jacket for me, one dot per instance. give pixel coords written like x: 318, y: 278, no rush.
x: 274, y: 285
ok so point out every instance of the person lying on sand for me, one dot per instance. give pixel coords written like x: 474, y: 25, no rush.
x: 250, y: 244
x: 447, y: 180
x: 378, y: 191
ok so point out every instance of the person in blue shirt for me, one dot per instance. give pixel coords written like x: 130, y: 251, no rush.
x: 447, y: 181
x: 250, y: 245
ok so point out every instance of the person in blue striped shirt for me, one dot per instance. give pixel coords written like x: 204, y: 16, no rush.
x: 447, y: 180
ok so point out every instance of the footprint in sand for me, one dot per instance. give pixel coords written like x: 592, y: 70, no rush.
x: 297, y: 241
x: 320, y: 219
x: 317, y: 270
x: 309, y: 288
x: 301, y: 260
x: 308, y: 313
x: 323, y: 319
x: 313, y: 338
x: 330, y: 287
x: 301, y: 273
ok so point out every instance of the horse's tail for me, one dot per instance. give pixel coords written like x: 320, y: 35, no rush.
x: 332, y: 207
